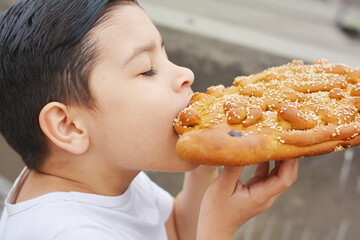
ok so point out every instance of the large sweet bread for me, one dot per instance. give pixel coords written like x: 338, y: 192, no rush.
x: 294, y: 110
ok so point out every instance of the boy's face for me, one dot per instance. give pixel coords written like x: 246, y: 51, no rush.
x: 139, y: 93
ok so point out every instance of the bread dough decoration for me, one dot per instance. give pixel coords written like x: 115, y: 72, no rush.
x: 294, y: 110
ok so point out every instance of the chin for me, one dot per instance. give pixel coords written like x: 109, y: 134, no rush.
x: 189, y: 166
x: 184, y: 166
x: 179, y: 165
x: 193, y: 166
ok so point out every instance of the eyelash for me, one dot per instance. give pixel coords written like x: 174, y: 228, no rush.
x: 149, y: 73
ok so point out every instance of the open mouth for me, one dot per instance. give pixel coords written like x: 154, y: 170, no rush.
x: 187, y: 105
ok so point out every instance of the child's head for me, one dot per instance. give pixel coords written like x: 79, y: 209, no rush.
x: 89, y: 78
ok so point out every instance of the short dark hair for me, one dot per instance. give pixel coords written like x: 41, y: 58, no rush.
x: 46, y: 54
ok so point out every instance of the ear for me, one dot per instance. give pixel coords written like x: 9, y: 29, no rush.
x: 63, y: 128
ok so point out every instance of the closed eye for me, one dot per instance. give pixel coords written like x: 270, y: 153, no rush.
x: 149, y: 73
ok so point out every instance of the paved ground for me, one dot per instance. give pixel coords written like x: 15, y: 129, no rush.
x: 324, y: 202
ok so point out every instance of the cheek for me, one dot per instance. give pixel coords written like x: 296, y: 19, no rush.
x: 152, y: 122
x: 155, y: 108
x: 146, y: 116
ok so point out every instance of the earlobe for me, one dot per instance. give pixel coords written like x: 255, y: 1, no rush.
x: 63, y: 129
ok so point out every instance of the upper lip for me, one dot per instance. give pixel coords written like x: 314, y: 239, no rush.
x: 188, y: 103
x: 191, y: 95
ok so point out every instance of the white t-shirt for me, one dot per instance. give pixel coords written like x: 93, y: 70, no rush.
x: 139, y: 213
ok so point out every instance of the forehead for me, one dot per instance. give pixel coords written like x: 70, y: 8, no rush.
x: 125, y: 28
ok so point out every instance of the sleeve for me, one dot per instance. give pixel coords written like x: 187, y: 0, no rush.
x: 162, y: 199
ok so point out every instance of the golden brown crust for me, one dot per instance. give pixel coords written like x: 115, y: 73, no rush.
x: 294, y: 110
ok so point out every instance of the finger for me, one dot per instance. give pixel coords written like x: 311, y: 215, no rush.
x: 260, y: 174
x: 278, y: 163
x: 262, y: 169
x: 254, y: 180
x: 275, y: 170
x: 230, y: 174
x: 282, y: 180
x: 288, y: 173
x: 288, y: 169
x: 296, y: 169
x: 228, y: 178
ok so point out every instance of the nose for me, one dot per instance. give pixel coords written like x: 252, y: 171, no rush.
x: 184, y: 78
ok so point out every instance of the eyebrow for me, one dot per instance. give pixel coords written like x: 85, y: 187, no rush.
x: 146, y: 48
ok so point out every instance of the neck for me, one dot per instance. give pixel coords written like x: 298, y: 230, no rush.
x: 101, y: 183
x: 77, y: 176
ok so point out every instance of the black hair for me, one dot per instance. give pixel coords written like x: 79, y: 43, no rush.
x: 46, y: 54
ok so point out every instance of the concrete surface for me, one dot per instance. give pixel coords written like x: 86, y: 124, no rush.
x: 324, y: 202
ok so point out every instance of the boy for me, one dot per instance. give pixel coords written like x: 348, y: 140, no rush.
x: 88, y: 97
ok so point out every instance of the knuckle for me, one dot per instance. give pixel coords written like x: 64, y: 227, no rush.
x: 268, y: 205
x: 259, y: 201
x: 286, y: 183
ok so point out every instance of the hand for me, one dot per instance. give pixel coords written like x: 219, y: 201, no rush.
x: 228, y: 203
x: 188, y: 201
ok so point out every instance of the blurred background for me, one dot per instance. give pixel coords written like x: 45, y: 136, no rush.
x: 221, y: 39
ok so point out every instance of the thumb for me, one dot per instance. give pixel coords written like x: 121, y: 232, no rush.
x: 228, y: 178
